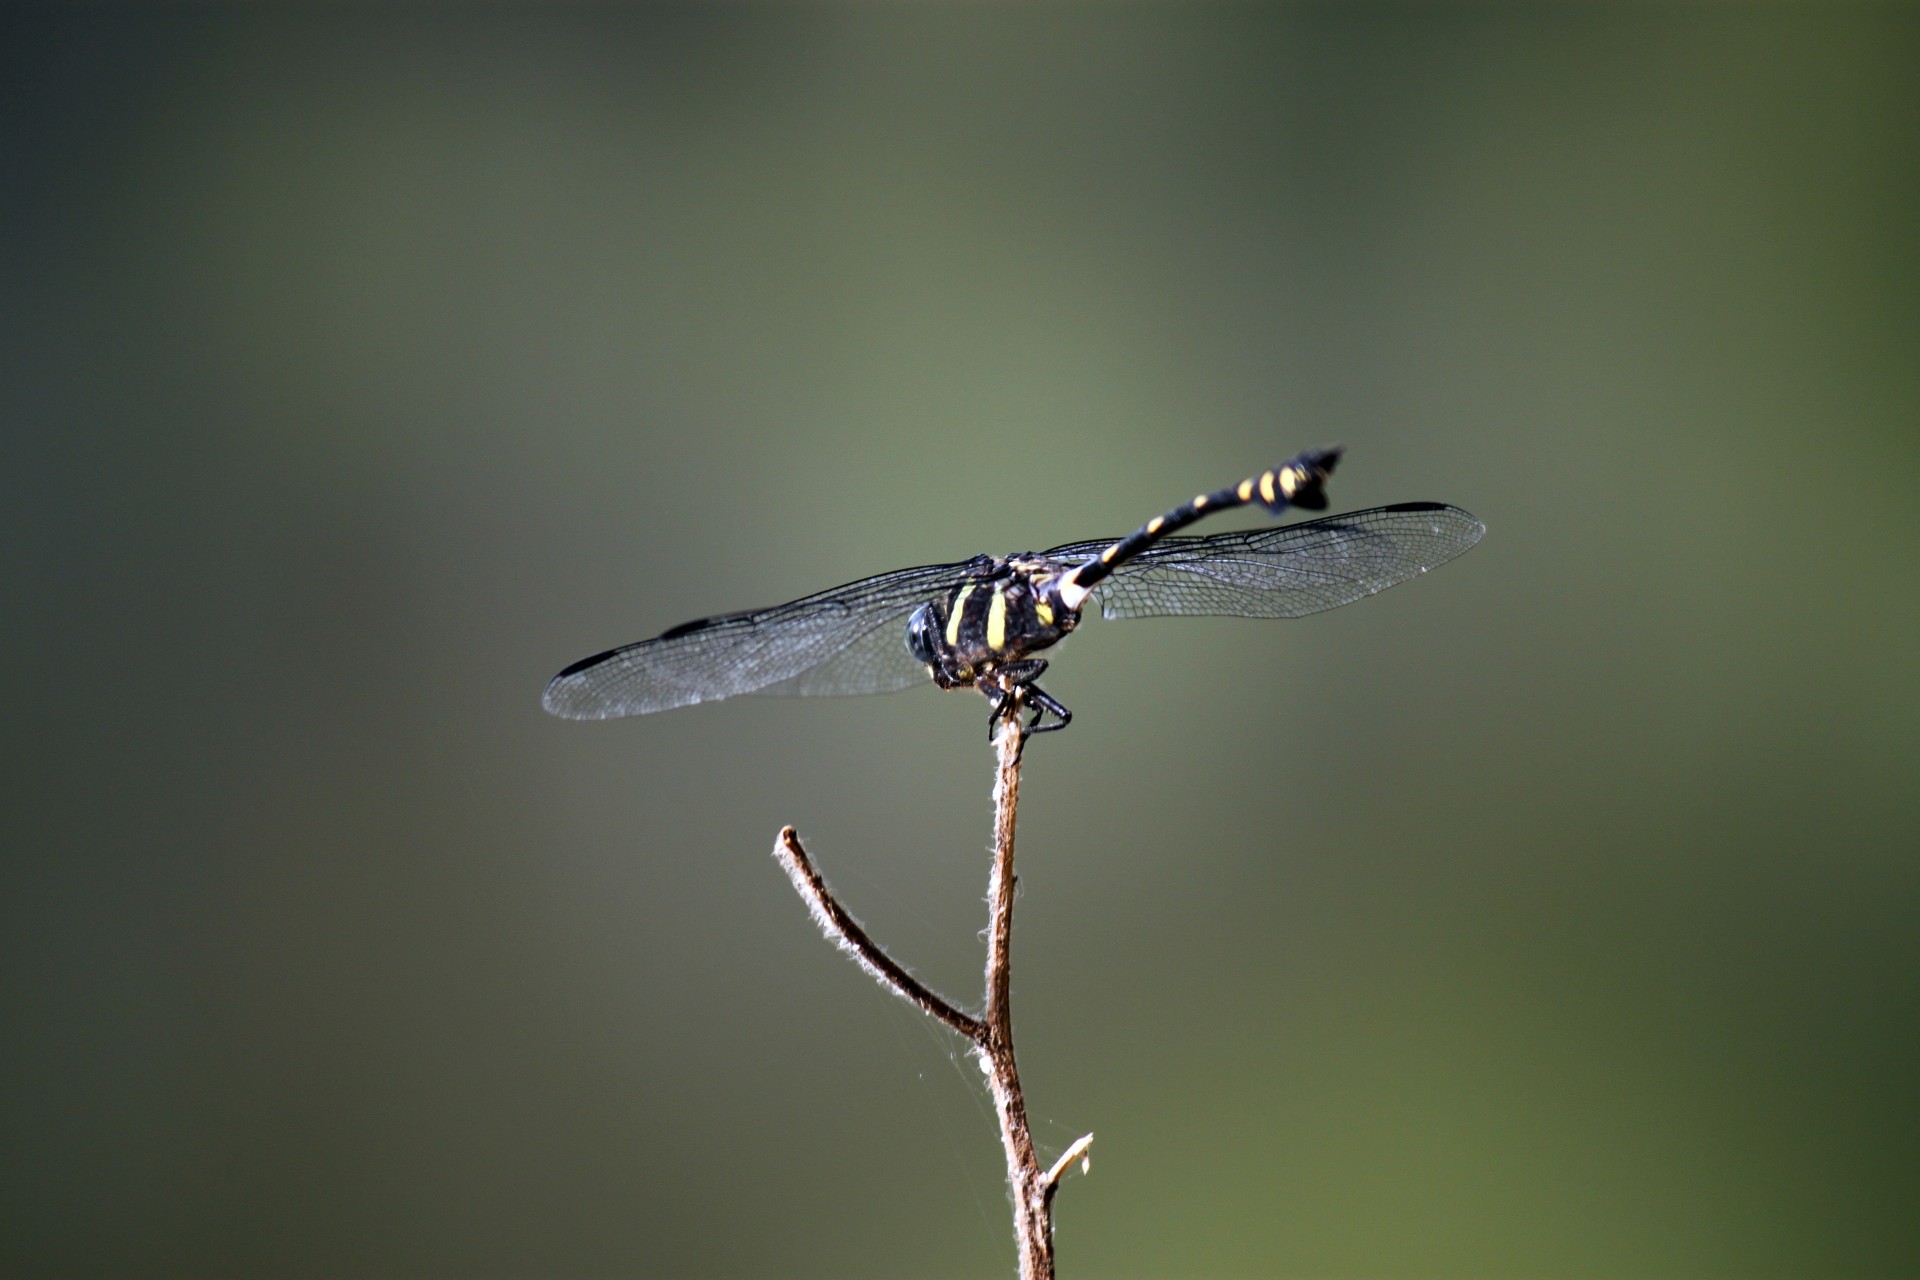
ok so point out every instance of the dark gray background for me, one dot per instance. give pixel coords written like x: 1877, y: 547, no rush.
x: 1551, y: 916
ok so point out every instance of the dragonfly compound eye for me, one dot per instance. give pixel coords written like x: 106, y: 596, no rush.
x: 922, y: 630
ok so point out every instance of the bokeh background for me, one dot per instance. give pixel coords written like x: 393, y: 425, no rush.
x: 1554, y: 915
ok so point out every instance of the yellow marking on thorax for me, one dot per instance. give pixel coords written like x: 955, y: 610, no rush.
x: 1043, y: 611
x: 997, y: 617
x: 953, y: 619
x: 1266, y: 487
x: 1246, y: 491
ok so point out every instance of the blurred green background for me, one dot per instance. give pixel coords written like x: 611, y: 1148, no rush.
x: 1554, y: 915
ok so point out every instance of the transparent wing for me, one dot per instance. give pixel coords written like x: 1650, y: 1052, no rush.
x: 877, y: 662
x: 1287, y: 572
x: 851, y: 639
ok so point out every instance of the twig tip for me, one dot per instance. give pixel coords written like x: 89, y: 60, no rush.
x: 1078, y: 1151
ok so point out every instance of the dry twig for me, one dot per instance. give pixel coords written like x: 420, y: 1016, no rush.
x: 991, y: 1035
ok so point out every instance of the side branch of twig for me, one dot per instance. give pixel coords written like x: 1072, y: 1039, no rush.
x: 1050, y: 1181
x: 845, y: 932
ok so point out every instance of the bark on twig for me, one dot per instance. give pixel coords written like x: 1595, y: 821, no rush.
x: 846, y: 933
x: 1032, y: 1213
x: 991, y: 1035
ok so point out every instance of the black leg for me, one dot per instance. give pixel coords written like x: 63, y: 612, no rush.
x: 1023, y: 672
x: 1045, y: 704
x: 1014, y: 682
x: 1001, y: 706
x: 1016, y: 689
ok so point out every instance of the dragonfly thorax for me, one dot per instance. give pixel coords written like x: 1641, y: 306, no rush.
x: 1005, y: 614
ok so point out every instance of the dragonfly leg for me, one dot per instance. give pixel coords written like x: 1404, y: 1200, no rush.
x: 1005, y: 706
x: 1008, y: 690
x: 1045, y: 704
x: 1017, y: 689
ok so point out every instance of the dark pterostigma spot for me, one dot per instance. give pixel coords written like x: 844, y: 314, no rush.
x: 688, y: 628
x: 584, y: 663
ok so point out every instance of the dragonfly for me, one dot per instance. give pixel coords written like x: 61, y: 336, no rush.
x: 981, y: 623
